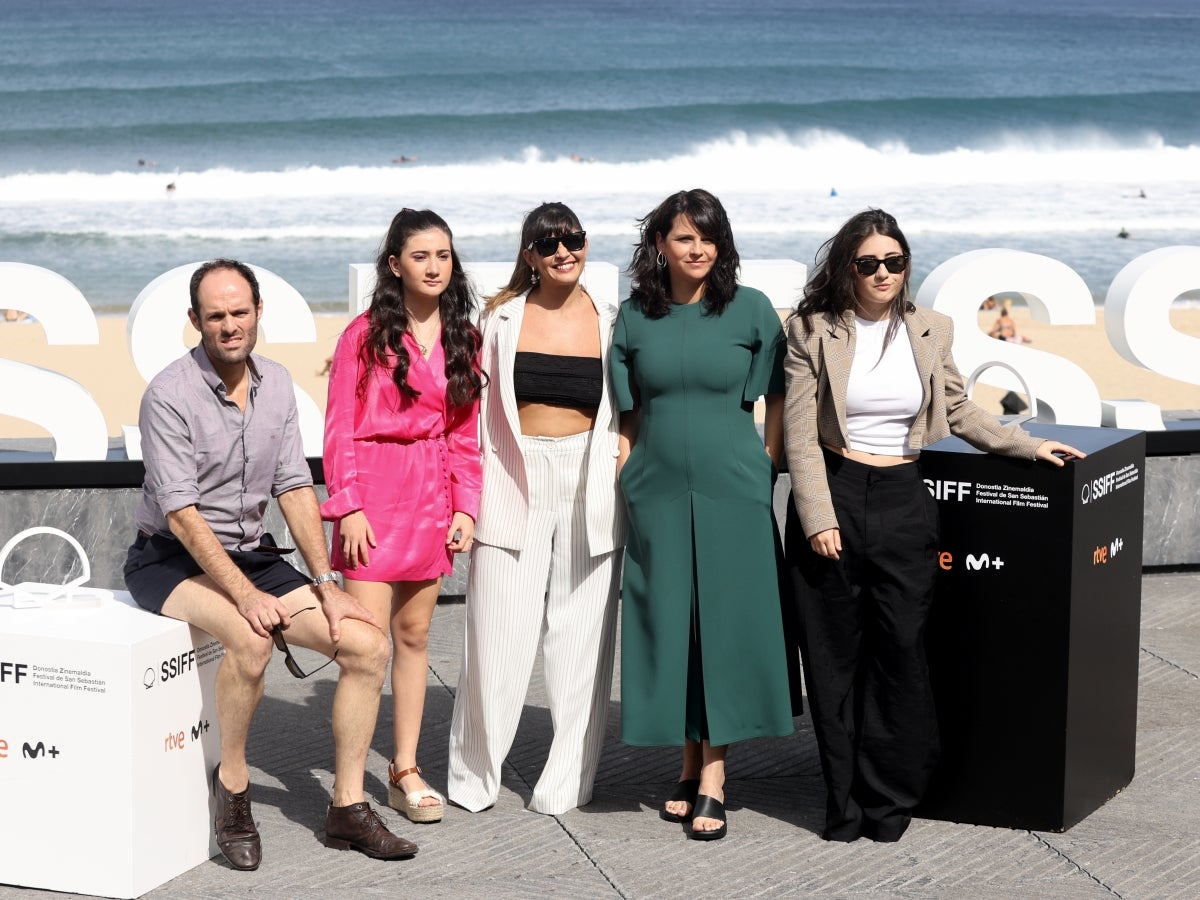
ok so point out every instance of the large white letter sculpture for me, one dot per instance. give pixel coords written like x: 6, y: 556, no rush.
x: 1055, y: 294
x: 156, y: 322
x: 1137, y: 318
x: 55, y: 402
x: 1137, y: 312
x: 782, y: 280
x: 1137, y: 321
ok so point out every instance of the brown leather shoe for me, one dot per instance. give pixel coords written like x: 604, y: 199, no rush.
x: 358, y: 827
x: 237, y: 835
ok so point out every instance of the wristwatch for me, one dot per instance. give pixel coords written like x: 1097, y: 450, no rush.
x: 321, y: 579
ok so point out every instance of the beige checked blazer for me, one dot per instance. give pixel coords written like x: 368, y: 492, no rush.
x: 817, y: 368
x: 504, y: 502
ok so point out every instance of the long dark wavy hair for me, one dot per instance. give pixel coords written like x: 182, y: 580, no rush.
x: 651, y: 283
x: 546, y: 220
x: 384, y: 340
x: 830, y: 291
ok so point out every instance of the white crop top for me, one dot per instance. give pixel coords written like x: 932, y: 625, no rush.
x: 884, y: 395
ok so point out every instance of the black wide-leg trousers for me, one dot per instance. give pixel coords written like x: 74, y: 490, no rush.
x: 862, y: 628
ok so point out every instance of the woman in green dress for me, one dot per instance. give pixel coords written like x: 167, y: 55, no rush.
x: 703, y: 658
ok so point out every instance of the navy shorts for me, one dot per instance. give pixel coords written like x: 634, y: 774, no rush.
x: 156, y: 565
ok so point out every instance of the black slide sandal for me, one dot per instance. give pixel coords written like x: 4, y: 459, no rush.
x: 686, y: 791
x: 709, y: 808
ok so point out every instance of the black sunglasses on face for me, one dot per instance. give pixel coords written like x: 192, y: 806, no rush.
x: 288, y: 659
x: 548, y: 246
x: 869, y: 265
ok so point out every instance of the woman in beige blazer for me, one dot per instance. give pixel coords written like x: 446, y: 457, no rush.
x: 870, y: 381
x: 550, y: 527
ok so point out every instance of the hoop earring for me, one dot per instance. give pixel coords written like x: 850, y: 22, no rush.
x: 661, y: 261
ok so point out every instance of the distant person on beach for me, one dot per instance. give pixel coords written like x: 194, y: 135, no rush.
x: 220, y: 438
x: 704, y: 660
x: 546, y: 563
x: 870, y: 381
x: 1005, y: 327
x: 402, y: 462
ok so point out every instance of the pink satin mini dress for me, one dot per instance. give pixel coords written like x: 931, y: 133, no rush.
x: 409, y: 465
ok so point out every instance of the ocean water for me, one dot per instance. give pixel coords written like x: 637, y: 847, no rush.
x: 997, y: 123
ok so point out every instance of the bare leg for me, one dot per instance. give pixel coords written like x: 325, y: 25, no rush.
x: 407, y: 607
x: 412, y: 613
x: 692, y: 763
x: 239, y: 674
x: 355, y: 710
x: 362, y: 657
x: 712, y: 783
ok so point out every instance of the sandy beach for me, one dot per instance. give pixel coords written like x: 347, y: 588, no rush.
x: 1088, y: 347
x: 107, y: 371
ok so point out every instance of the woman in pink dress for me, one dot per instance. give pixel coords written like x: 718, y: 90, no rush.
x: 402, y: 462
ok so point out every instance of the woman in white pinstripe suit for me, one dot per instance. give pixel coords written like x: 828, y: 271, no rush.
x: 550, y: 526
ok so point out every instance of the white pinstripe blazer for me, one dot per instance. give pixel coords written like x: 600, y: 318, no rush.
x: 504, y: 504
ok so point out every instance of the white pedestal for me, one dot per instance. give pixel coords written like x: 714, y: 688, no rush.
x: 108, y: 736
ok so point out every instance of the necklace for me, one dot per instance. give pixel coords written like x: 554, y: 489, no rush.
x: 424, y: 341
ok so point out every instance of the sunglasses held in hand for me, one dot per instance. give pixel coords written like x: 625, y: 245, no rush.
x: 288, y: 659
x: 869, y: 265
x: 548, y: 246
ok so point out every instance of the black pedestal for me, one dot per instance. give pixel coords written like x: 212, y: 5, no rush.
x: 1033, y: 638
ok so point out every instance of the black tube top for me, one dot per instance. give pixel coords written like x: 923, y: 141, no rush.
x: 574, y: 381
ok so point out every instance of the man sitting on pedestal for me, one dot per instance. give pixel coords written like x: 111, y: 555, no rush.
x: 220, y: 437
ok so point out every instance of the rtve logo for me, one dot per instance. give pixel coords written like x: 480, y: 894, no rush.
x: 1102, y: 554
x: 12, y: 671
x: 974, y: 563
x: 177, y: 740
x: 949, y: 490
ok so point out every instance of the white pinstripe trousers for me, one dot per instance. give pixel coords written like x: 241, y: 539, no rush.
x: 553, y: 588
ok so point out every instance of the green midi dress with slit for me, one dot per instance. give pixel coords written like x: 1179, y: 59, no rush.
x: 703, y: 653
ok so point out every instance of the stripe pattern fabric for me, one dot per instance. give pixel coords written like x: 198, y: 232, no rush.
x: 555, y: 590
